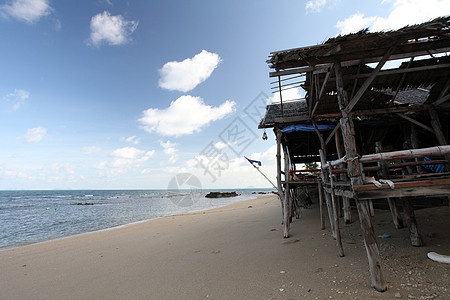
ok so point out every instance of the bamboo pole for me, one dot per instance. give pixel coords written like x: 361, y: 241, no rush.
x: 405, y: 154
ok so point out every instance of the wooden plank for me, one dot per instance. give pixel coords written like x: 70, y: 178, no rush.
x: 340, y: 192
x: 403, y: 185
x: 443, y: 190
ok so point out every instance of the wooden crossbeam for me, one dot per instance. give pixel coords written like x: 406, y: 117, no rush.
x: 368, y: 81
x: 322, y: 90
x: 416, y: 122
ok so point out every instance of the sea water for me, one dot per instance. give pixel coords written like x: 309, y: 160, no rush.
x: 34, y: 216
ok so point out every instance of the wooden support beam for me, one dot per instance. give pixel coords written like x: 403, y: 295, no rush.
x: 286, y: 202
x: 333, y: 133
x: 348, y: 131
x: 345, y: 200
x: 328, y: 193
x: 368, y: 81
x: 441, y: 100
x: 325, y: 81
x: 373, y: 254
x: 416, y: 122
x: 408, y: 209
x: 278, y: 135
x: 354, y: 173
x: 334, y: 200
x: 322, y: 219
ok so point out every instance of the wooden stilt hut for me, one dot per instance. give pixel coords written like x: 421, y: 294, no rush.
x: 376, y: 115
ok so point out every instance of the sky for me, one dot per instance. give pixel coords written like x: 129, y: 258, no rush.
x: 109, y: 94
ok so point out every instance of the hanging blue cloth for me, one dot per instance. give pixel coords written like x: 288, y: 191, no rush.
x: 306, y: 127
x: 438, y: 168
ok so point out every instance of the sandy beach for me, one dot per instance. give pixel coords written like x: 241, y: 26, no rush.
x: 234, y: 252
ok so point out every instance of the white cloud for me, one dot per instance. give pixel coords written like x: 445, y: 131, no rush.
x: 355, y: 23
x: 17, y: 175
x: 132, y: 139
x: 18, y: 98
x: 89, y: 150
x: 185, y: 115
x: 169, y: 149
x: 130, y: 156
x: 186, y: 75
x: 315, y: 6
x: 29, y: 11
x: 288, y: 95
x: 403, y: 13
x: 113, y: 30
x: 35, y: 135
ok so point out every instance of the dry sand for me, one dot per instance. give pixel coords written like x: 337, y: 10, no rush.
x: 235, y: 252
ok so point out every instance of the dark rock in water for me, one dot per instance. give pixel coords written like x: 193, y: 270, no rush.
x: 262, y: 193
x: 221, y: 194
x: 85, y: 203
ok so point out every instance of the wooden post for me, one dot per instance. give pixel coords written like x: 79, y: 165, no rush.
x: 354, y: 172
x: 286, y: 204
x: 331, y: 201
x: 322, y: 220
x: 395, y: 212
x: 345, y: 200
x: 335, y: 212
x: 416, y: 240
x: 325, y: 180
x: 279, y: 185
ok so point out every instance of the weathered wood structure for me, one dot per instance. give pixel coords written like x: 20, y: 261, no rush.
x: 376, y: 115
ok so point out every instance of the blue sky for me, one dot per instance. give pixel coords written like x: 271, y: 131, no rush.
x: 107, y: 94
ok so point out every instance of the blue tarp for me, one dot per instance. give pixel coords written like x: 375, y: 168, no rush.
x: 306, y: 127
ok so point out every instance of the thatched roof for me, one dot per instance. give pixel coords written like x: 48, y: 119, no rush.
x: 424, y: 37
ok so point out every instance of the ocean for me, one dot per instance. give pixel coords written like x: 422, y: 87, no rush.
x: 34, y: 216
